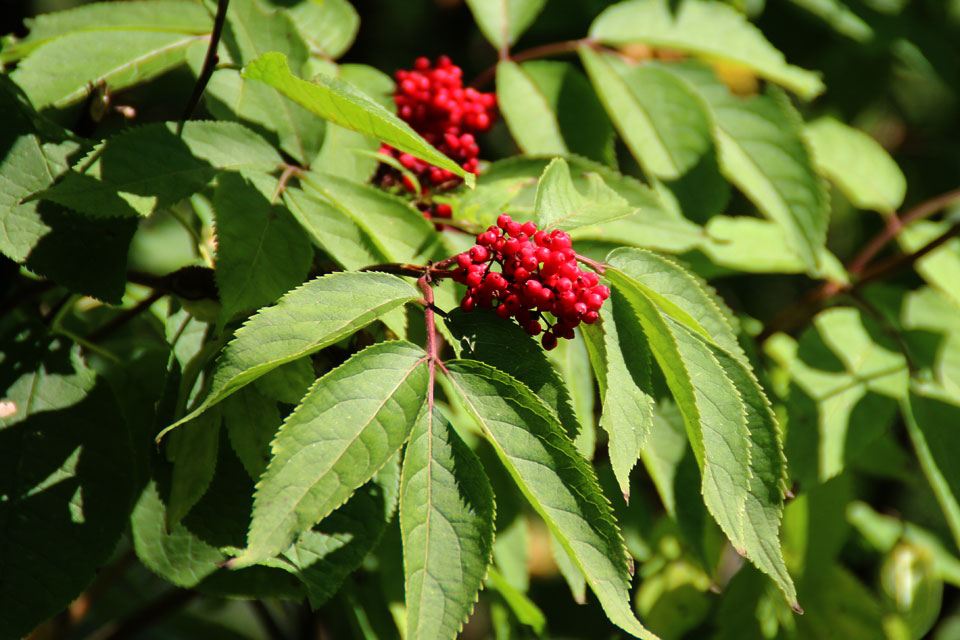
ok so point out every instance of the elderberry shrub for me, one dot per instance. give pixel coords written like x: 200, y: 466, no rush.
x: 538, y: 275
x: 431, y: 98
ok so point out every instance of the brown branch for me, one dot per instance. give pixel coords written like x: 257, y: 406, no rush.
x: 552, y: 49
x: 812, y: 302
x: 209, y: 64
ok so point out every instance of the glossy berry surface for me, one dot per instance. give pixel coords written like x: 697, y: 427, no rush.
x: 531, y: 276
x: 431, y: 98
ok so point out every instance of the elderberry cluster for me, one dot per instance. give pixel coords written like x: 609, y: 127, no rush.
x: 538, y: 274
x: 431, y: 99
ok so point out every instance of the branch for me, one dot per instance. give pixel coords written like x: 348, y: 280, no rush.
x: 542, y: 51
x: 209, y: 64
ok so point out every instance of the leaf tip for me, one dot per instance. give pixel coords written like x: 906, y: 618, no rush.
x: 796, y: 607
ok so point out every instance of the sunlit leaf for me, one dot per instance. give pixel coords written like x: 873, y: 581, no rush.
x: 503, y: 22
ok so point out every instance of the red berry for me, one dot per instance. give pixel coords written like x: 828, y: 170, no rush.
x: 549, y: 341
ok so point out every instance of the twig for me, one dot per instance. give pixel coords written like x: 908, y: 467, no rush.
x: 111, y: 327
x: 542, y: 51
x: 209, y: 64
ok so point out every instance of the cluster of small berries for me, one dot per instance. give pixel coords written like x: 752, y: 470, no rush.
x: 538, y: 275
x: 431, y: 99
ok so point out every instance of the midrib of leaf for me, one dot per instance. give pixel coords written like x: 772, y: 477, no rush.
x: 256, y: 256
x: 284, y: 104
x: 546, y: 104
x: 132, y: 64
x: 664, y: 149
x: 505, y: 24
x: 349, y: 442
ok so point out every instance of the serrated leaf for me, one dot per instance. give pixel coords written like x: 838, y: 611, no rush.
x: 261, y: 251
x: 36, y: 153
x: 762, y: 152
x: 573, y: 363
x: 731, y: 429
x: 527, y: 112
x: 349, y: 424
x: 251, y: 420
x: 661, y: 120
x: 931, y: 425
x: 446, y: 520
x: 162, y: 15
x: 193, y: 452
x: 325, y: 555
x: 559, y: 205
x: 556, y: 480
x: 503, y: 22
x: 627, y: 413
x: 309, y: 318
x: 67, y: 477
x: 61, y: 71
x: 706, y: 28
x: 857, y: 164
x: 682, y: 295
x: 583, y: 123
x: 340, y: 103
x: 480, y: 335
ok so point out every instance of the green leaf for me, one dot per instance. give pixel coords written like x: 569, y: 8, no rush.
x: 193, y: 452
x: 627, y: 402
x: 36, y: 152
x: 928, y: 309
x: 572, y: 360
x: 61, y: 71
x: 762, y: 152
x: 100, y: 245
x: 67, y: 477
x: 251, y: 420
x: 680, y: 294
x: 659, y: 117
x: 287, y: 383
x: 480, y: 335
x: 940, y: 268
x: 849, y: 379
x: 710, y: 29
x: 252, y: 29
x: 349, y: 424
x: 333, y: 229
x: 524, y: 608
x: 527, y: 112
x: 261, y: 251
x: 559, y: 204
x: 446, y: 519
x: 857, y: 164
x: 583, y: 123
x: 731, y: 428
x: 157, y: 15
x: 556, y: 480
x: 328, y: 26
x: 931, y: 424
x: 319, y: 313
x: 344, y: 105
x: 503, y: 22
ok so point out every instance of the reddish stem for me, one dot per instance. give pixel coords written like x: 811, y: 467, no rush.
x: 599, y: 267
x: 542, y: 51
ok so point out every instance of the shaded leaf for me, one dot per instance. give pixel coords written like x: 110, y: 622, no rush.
x: 261, y: 251
x: 349, y: 424
x: 556, y: 480
x: 705, y: 28
x: 193, y: 452
x: 446, y: 518
x: 344, y: 105
x: 328, y: 26
x: 251, y: 420
x: 309, y: 318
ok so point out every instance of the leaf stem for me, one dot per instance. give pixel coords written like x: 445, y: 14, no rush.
x: 542, y: 51
x: 209, y: 64
x: 599, y: 267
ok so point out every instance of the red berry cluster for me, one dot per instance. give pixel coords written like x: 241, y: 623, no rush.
x: 538, y: 275
x: 432, y: 100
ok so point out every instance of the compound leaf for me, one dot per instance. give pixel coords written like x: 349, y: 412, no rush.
x: 559, y: 205
x: 446, y: 521
x: 503, y: 22
x: 349, y: 424
x: 555, y: 478
x: 309, y: 318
